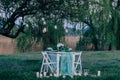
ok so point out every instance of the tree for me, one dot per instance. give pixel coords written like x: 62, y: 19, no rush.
x: 15, y: 9
x: 100, y: 15
x: 87, y: 12
x: 115, y: 14
x: 103, y: 19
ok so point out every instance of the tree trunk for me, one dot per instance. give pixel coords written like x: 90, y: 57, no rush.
x: 95, y: 43
x: 118, y: 38
x: 118, y: 33
x: 110, y: 47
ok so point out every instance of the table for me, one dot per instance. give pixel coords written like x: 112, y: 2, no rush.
x: 61, y: 63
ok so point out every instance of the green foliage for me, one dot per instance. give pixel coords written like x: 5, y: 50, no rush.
x: 103, y: 20
x: 35, y: 34
x: 83, y: 44
x: 53, y: 35
x: 25, y: 41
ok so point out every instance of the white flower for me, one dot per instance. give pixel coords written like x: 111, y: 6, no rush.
x: 70, y: 49
x: 59, y: 45
x: 49, y: 49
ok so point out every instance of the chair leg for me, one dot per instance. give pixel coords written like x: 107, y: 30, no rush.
x: 42, y: 66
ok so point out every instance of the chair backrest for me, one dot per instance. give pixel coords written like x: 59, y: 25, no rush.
x: 50, y: 56
x: 45, y: 56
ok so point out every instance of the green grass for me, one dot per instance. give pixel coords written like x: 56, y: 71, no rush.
x: 23, y: 66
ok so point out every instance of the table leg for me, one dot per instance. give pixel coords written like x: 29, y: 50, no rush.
x: 58, y: 60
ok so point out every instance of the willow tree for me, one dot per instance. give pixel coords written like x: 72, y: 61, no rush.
x: 46, y: 26
x: 111, y: 17
x: 115, y: 21
x: 89, y: 13
x: 102, y: 17
x: 28, y: 14
x: 12, y: 10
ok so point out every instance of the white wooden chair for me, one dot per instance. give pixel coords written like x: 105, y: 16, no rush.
x: 77, y: 62
x: 48, y: 65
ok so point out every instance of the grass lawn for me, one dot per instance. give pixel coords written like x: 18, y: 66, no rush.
x: 23, y: 66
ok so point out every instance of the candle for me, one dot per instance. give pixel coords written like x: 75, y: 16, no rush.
x: 44, y: 73
x: 37, y: 74
x: 85, y: 73
x: 64, y: 76
x: 98, y: 73
x: 50, y: 74
x: 40, y: 75
x: 55, y: 75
